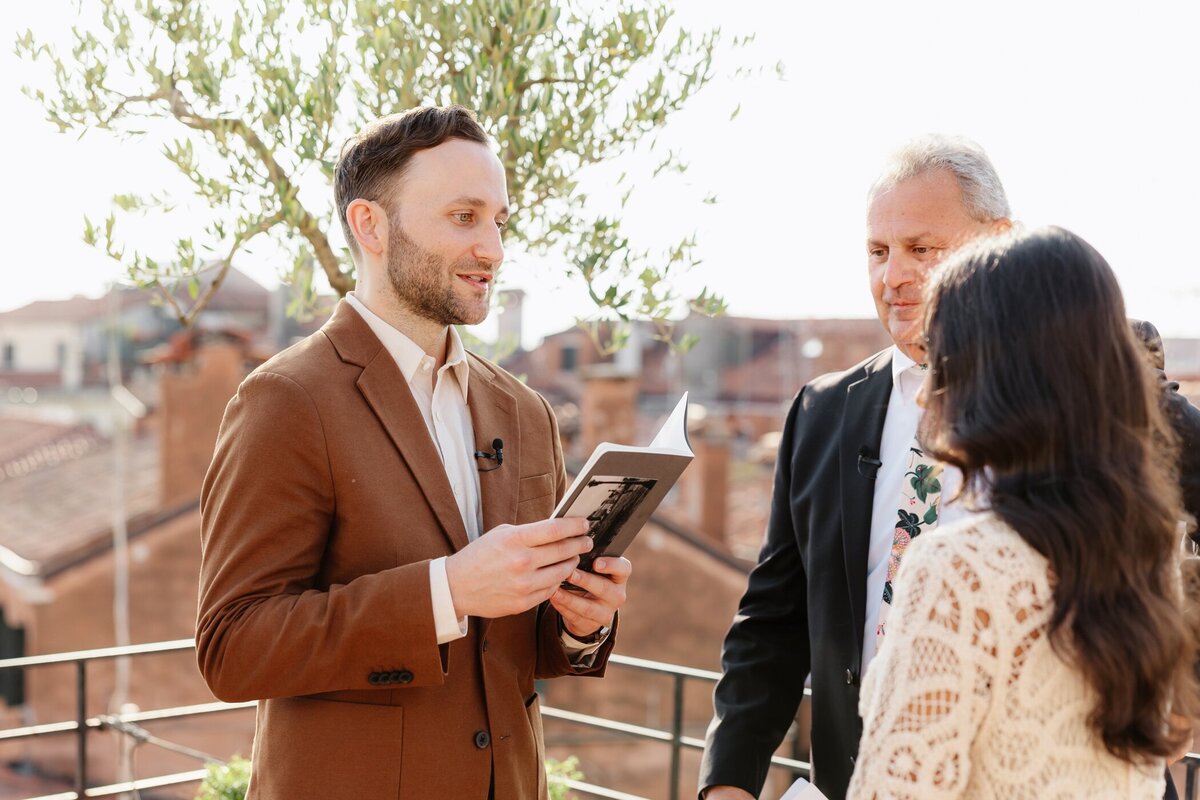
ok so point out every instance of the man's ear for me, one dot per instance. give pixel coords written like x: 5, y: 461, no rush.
x: 1002, y: 225
x: 369, y: 224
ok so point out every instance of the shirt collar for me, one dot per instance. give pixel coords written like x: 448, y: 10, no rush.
x: 407, y: 354
x: 906, y: 374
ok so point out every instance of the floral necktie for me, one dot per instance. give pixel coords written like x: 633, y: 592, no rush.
x: 920, y: 493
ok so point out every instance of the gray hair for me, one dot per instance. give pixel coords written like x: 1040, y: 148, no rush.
x: 982, y: 193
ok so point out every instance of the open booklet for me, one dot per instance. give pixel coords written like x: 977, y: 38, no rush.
x: 620, y: 486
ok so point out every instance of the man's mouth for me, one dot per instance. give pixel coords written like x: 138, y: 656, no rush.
x: 479, y: 280
x: 905, y: 308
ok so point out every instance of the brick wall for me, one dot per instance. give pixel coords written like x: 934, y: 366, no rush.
x: 163, y: 579
x: 194, y: 396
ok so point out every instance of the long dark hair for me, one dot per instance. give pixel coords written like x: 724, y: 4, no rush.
x: 1040, y: 394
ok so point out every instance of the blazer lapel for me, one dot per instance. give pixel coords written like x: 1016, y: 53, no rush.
x: 862, y: 431
x: 494, y: 416
x: 383, y: 387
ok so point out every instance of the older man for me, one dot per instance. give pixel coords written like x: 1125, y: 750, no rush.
x: 814, y: 601
x: 844, y: 504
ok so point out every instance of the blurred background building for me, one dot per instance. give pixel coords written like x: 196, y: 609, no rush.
x: 77, y: 466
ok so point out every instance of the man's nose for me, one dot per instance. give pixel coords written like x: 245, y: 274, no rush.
x: 489, y: 246
x: 901, y: 268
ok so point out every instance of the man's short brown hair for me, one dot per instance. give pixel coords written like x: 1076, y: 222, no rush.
x: 371, y: 162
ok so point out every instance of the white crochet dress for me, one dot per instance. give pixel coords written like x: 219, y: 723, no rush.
x: 966, y: 698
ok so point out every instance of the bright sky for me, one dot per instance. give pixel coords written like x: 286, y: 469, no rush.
x: 1089, y: 114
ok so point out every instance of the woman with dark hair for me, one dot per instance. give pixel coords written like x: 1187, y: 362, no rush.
x: 1037, y: 648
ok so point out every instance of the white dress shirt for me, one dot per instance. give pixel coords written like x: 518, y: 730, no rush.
x: 899, y: 428
x: 448, y: 418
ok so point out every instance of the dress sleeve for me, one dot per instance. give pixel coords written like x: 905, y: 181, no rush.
x: 926, y: 692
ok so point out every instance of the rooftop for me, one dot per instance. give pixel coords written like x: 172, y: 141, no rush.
x: 56, y: 489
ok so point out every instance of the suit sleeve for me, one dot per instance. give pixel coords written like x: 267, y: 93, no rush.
x: 765, y: 654
x: 266, y: 627
x: 1185, y: 420
x: 1183, y: 417
x: 552, y: 660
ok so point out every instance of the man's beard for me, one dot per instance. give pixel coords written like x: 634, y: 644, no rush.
x: 422, y: 282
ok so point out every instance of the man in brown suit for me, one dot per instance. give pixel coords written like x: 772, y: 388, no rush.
x: 345, y: 582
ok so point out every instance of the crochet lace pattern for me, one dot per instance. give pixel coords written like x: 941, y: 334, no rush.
x: 967, y: 698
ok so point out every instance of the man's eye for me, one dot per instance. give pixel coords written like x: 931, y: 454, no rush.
x: 877, y: 252
x: 464, y: 216
x: 922, y: 249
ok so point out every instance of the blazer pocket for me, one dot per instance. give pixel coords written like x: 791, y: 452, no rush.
x: 535, y: 487
x: 310, y: 749
x: 535, y: 498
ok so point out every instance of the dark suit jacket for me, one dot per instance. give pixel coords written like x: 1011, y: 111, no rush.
x: 1185, y: 420
x: 1183, y: 416
x: 324, y: 504
x: 804, y: 608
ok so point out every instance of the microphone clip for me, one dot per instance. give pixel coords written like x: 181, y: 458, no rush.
x: 868, y: 464
x: 497, y: 455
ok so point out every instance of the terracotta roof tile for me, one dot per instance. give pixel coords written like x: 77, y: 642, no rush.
x: 29, y: 444
x: 55, y: 511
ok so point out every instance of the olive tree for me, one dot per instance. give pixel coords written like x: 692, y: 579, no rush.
x: 257, y: 97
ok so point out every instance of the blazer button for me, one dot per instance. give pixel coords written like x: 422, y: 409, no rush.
x: 404, y: 676
x: 373, y: 679
x: 485, y: 645
x: 482, y: 740
x: 849, y: 677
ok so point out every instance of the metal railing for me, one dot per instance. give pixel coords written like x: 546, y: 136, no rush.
x: 673, y: 738
x: 83, y: 724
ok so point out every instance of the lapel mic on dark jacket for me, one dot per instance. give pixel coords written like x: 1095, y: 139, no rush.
x: 868, y: 463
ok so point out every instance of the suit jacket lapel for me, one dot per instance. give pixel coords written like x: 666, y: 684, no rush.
x: 383, y: 387
x: 494, y: 416
x: 862, y: 431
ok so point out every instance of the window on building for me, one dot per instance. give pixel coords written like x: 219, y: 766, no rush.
x: 10, y: 356
x: 12, y: 681
x: 570, y: 358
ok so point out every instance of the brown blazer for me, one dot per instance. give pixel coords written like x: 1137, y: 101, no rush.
x: 324, y: 504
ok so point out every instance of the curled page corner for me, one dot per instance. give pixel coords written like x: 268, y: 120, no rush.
x: 673, y: 434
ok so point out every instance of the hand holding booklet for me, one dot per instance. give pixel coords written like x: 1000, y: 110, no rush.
x: 620, y: 486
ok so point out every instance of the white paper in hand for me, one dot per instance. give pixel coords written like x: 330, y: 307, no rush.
x: 802, y: 790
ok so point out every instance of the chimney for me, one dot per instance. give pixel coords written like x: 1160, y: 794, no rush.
x: 609, y: 408
x: 512, y: 318
x: 705, y: 485
x: 195, y: 392
x: 712, y: 473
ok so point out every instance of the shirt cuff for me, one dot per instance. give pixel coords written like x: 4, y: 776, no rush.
x: 447, y: 626
x: 579, y: 653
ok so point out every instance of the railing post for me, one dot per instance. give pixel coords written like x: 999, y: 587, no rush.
x: 676, y: 736
x: 81, y: 733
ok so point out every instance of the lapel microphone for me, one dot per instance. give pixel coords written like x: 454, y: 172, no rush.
x: 868, y: 464
x: 497, y: 456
